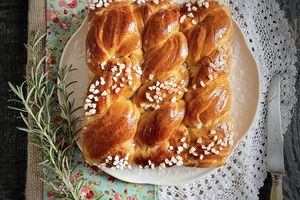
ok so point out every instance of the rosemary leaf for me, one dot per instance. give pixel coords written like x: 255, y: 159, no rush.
x: 56, y: 140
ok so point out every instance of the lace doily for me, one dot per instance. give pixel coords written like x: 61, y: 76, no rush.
x: 268, y: 36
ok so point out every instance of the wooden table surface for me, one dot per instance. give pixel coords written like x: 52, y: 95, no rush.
x: 13, y: 33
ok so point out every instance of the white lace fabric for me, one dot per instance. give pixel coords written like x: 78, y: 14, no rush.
x: 268, y: 36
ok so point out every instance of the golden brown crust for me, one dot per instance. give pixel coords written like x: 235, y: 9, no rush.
x: 105, y: 41
x: 213, y: 30
x: 116, y: 129
x: 156, y: 127
x: 159, y: 94
x: 208, y: 103
x: 158, y: 63
x: 160, y: 26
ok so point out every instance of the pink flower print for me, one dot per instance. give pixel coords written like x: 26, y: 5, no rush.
x: 130, y: 198
x: 117, y: 196
x: 111, y: 179
x: 62, y: 4
x: 73, y: 4
x: 72, y: 179
x: 85, y: 164
x: 85, y: 189
x: 91, y: 174
x: 52, y: 59
x: 56, y: 12
x: 96, y: 183
x: 58, y: 120
x: 51, y: 195
x: 48, y: 16
x: 94, y: 168
x: 63, y: 26
x: 56, y: 20
x: 90, y: 194
x: 78, y: 174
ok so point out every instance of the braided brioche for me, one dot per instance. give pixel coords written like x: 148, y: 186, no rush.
x: 159, y: 93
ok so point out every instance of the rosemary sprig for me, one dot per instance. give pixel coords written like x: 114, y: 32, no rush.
x: 55, y: 136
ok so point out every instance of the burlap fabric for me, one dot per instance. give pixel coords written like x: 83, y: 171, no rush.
x: 34, y: 185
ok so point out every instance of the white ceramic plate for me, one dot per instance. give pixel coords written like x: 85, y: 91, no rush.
x: 244, y: 82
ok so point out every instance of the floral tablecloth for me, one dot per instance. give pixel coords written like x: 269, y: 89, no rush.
x: 63, y: 19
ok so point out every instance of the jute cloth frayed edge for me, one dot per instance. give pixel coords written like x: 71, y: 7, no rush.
x: 34, y: 185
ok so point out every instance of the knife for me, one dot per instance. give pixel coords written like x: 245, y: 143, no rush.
x: 275, y: 159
